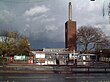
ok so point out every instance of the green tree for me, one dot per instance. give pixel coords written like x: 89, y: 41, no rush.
x: 11, y: 43
x: 23, y: 46
x: 3, y: 42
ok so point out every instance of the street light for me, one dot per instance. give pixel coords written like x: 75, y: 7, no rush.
x: 92, y: 0
x: 57, y: 58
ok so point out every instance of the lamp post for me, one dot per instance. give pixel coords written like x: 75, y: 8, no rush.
x: 57, y: 59
x: 101, y: 54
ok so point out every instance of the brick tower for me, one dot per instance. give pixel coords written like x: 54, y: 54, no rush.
x: 70, y: 31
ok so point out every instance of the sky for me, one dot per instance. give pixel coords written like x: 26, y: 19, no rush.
x: 43, y: 21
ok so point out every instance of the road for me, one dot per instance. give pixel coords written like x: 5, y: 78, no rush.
x: 54, y: 77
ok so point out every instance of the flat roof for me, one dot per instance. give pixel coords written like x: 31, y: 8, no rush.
x: 87, y: 54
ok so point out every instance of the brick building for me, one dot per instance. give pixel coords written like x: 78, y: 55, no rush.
x: 70, y: 31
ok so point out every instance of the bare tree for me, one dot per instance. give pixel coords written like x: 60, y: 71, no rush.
x: 89, y: 36
x: 104, y: 44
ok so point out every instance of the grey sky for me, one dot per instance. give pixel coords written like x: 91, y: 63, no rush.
x: 44, y: 20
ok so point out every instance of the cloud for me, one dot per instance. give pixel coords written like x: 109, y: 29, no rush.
x: 28, y: 19
x: 6, y: 16
x: 36, y: 10
x: 39, y: 17
x: 48, y: 20
x: 51, y: 28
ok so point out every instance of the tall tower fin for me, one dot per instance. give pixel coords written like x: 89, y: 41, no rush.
x: 69, y: 11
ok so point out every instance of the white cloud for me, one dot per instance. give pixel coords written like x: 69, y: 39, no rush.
x: 48, y: 20
x: 28, y: 19
x: 39, y: 17
x: 51, y: 28
x: 27, y: 25
x: 36, y: 10
x: 6, y: 16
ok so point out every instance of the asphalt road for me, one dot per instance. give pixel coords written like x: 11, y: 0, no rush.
x: 54, y: 77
